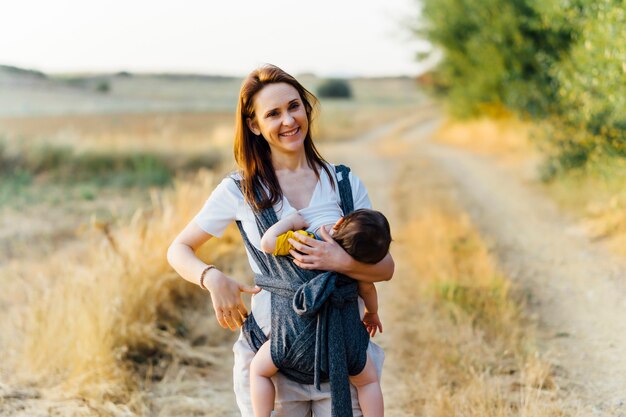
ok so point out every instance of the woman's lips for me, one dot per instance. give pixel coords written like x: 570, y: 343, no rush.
x: 291, y: 132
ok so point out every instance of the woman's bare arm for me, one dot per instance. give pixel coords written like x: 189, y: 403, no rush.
x: 230, y: 310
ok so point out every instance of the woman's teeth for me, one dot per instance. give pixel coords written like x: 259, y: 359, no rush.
x: 290, y: 133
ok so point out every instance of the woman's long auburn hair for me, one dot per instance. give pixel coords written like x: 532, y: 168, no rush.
x: 252, y: 152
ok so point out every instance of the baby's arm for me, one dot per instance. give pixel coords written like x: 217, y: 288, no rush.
x: 368, y: 293
x: 292, y: 222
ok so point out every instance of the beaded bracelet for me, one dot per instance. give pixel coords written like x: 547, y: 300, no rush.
x: 207, y: 269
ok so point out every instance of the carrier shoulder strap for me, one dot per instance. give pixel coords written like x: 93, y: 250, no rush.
x: 342, y: 174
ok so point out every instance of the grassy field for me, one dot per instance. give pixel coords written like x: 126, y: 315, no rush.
x: 69, y: 168
x: 95, y: 321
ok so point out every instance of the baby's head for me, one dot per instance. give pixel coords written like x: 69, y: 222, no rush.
x: 364, y: 234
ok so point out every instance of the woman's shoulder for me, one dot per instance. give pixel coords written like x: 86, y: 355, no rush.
x: 228, y: 187
x: 233, y: 176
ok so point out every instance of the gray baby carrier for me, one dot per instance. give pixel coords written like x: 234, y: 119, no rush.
x: 317, y: 334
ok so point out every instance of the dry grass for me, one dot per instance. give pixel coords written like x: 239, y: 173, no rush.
x: 89, y: 320
x: 154, y: 132
x: 490, y: 136
x: 343, y: 121
x: 459, y: 344
x: 597, y: 196
x: 176, y: 133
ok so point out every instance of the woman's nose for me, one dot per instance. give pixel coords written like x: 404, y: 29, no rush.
x: 288, y: 120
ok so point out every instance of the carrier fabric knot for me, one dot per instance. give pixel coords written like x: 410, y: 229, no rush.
x: 311, y: 296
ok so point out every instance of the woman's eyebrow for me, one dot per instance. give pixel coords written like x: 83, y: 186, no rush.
x: 274, y: 109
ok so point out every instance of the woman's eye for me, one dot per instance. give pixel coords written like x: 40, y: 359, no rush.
x: 271, y: 114
x: 295, y: 105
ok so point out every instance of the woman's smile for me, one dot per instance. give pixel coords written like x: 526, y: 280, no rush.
x: 290, y: 133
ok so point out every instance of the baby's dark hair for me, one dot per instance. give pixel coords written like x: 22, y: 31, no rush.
x: 365, y: 235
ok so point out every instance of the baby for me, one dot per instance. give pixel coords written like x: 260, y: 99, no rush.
x: 366, y: 236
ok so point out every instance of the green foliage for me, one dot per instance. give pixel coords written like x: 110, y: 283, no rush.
x: 334, y: 88
x: 103, y: 87
x: 591, y: 121
x: 59, y: 163
x: 562, y: 62
x: 497, y: 53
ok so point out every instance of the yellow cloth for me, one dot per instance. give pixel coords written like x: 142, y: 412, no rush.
x: 282, y: 241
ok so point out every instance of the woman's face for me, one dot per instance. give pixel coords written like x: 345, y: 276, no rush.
x: 280, y: 116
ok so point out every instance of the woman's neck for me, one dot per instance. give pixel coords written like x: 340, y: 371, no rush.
x: 289, y: 162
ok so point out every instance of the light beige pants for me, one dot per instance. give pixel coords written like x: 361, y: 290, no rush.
x: 292, y: 399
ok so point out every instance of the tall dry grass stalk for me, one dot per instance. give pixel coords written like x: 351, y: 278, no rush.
x: 96, y: 311
x: 459, y: 344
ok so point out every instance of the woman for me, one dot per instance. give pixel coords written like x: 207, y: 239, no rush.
x: 280, y: 168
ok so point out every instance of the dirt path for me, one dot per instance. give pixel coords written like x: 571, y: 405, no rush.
x: 577, y: 290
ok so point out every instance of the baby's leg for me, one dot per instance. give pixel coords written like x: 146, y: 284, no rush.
x: 261, y: 386
x: 368, y: 390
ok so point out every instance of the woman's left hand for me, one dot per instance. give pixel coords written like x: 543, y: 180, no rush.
x: 325, y: 255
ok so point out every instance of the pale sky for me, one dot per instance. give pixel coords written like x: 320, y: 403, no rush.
x: 230, y: 37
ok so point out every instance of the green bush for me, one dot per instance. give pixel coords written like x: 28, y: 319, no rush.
x: 334, y: 88
x: 496, y: 53
x: 592, y: 86
x: 103, y: 87
x: 561, y: 62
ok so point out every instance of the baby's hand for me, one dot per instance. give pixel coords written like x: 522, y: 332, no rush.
x: 372, y: 323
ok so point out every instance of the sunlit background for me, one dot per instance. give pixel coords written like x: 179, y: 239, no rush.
x: 328, y: 38
x: 464, y: 118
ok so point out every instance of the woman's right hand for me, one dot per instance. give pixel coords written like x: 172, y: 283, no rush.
x: 230, y: 310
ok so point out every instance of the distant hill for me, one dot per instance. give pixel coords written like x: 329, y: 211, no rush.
x: 9, y: 69
x: 28, y: 92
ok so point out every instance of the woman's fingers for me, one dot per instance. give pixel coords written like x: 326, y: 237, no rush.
x: 306, y: 240
x: 230, y: 311
x: 219, y: 315
x: 299, y: 246
x: 301, y: 257
x: 230, y: 320
x: 249, y: 289
x: 302, y: 264
x: 243, y: 312
x: 231, y: 317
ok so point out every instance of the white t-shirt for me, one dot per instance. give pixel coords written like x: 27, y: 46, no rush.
x: 226, y: 204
